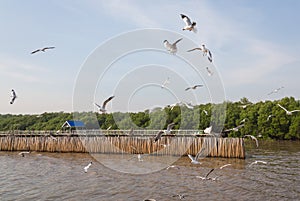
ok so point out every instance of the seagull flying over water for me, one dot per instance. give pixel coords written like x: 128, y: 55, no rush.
x: 201, y: 153
x: 205, y: 51
x: 23, y: 153
x: 42, y: 50
x: 194, y: 87
x: 252, y: 138
x: 206, y: 176
x: 256, y: 162
x: 288, y: 112
x: 13, y: 96
x: 189, y: 25
x: 87, y: 167
x: 102, y: 108
x: 172, y: 48
x: 167, y: 132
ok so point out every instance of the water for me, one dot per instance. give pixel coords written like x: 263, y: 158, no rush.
x: 57, y: 176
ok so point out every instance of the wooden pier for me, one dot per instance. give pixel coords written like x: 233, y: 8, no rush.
x: 117, y: 142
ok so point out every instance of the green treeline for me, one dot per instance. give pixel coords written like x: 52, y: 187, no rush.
x: 263, y: 119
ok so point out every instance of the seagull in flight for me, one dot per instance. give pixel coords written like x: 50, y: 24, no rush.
x: 42, y: 50
x: 172, y: 48
x: 252, y: 138
x: 167, y: 81
x: 206, y: 176
x: 13, y: 96
x: 268, y: 118
x: 275, y: 90
x: 189, y: 25
x: 223, y: 166
x: 167, y: 132
x: 256, y: 162
x: 194, y: 87
x: 23, y: 153
x: 205, y: 51
x: 87, y: 167
x: 205, y: 112
x: 209, y: 72
x: 235, y: 128
x: 208, y: 130
x: 288, y: 112
x: 102, y: 108
x: 201, y: 153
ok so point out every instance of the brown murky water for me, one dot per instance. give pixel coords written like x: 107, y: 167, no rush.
x: 56, y: 176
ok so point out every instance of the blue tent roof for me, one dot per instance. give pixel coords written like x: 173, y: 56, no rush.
x: 72, y: 123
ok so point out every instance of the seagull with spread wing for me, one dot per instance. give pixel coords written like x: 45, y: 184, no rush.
x: 172, y: 48
x: 201, y: 153
x: 235, y: 128
x: 42, y: 49
x: 167, y: 81
x: 102, y: 108
x: 287, y: 111
x: 194, y: 87
x: 252, y: 138
x: 13, y: 96
x: 275, y: 90
x: 209, y: 72
x: 167, y: 132
x: 189, y: 25
x: 205, y: 51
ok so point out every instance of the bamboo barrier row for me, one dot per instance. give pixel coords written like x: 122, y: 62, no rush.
x: 167, y: 145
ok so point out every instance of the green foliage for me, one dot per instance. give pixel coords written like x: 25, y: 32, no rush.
x: 263, y: 119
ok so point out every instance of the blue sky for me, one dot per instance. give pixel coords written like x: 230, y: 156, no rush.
x: 255, y: 45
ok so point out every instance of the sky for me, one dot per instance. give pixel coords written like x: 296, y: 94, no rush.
x: 255, y: 46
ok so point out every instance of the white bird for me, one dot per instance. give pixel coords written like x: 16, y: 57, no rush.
x: 189, y: 25
x: 256, y: 162
x: 172, y: 166
x: 208, y: 130
x: 209, y: 72
x: 252, y: 138
x: 167, y: 132
x: 268, y: 118
x: 167, y: 81
x: 87, y: 167
x: 150, y: 199
x: 194, y: 87
x: 205, y: 51
x: 244, y: 106
x: 206, y: 176
x: 243, y: 121
x: 139, y: 156
x: 287, y: 111
x: 108, y: 128
x: 180, y: 196
x: 42, y: 50
x: 102, y: 108
x: 201, y: 153
x: 235, y: 128
x: 275, y: 90
x: 172, y: 48
x: 225, y: 166
x: 23, y: 153
x: 205, y: 112
x: 13, y: 96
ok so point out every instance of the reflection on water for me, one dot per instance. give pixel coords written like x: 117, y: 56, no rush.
x: 56, y: 176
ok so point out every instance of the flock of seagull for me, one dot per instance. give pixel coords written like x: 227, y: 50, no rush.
x: 172, y: 48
